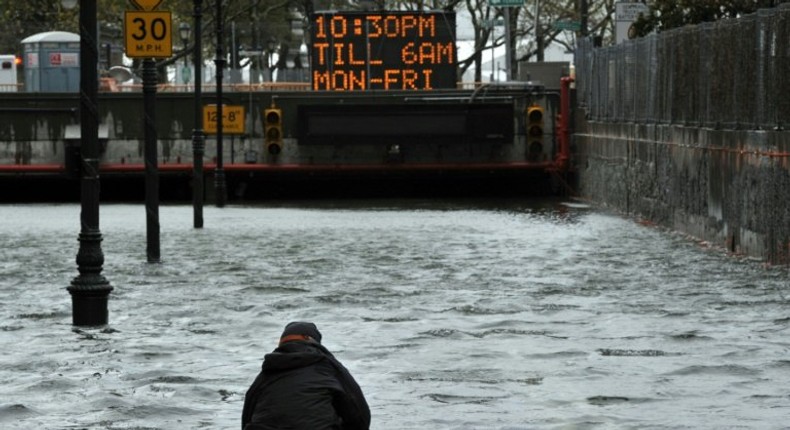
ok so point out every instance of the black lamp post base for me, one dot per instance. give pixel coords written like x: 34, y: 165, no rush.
x: 89, y: 304
x: 89, y: 310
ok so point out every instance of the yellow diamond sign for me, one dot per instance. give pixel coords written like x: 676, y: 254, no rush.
x: 146, y: 4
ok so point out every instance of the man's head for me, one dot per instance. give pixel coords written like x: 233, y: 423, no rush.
x: 298, y: 330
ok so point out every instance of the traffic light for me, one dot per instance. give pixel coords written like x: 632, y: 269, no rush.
x: 535, y: 132
x: 273, y: 130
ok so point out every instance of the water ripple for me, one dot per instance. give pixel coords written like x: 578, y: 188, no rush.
x: 725, y: 369
x: 633, y: 353
x: 471, y: 314
x: 690, y: 335
x: 454, y: 399
x: 13, y: 412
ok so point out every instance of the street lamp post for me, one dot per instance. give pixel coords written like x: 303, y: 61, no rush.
x: 89, y: 290
x: 219, y: 61
x: 198, y: 137
x: 272, y: 45
x: 184, y: 31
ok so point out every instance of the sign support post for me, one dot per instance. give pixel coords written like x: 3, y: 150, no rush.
x: 508, y: 46
x: 148, y: 35
x: 219, y: 61
x: 151, y: 163
x: 198, y: 137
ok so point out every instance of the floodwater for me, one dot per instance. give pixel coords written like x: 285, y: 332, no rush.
x: 465, y: 314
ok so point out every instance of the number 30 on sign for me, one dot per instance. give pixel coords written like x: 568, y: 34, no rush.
x: 147, y: 34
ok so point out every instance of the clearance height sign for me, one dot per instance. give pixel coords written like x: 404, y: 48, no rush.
x: 352, y: 51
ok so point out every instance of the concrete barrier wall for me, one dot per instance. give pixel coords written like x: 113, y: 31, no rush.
x: 34, y: 129
x: 728, y: 187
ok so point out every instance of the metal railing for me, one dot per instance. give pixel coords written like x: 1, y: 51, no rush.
x: 726, y: 74
x: 209, y: 88
x: 10, y: 88
x: 108, y: 85
x: 264, y: 86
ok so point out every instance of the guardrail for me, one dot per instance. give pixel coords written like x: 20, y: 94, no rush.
x: 259, y: 87
x: 10, y: 88
x: 181, y: 88
x: 108, y: 85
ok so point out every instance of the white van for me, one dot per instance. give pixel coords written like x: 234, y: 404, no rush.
x: 8, y: 78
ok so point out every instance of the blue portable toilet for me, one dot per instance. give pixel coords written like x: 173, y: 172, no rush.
x: 52, y: 62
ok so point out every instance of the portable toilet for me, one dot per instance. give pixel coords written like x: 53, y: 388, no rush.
x: 8, y: 79
x: 52, y: 62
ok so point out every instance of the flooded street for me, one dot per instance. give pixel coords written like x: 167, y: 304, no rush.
x: 456, y: 314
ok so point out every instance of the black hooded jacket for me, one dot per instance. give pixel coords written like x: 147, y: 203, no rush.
x: 303, y: 387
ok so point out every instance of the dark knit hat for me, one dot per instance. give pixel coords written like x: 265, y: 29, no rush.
x: 303, y: 328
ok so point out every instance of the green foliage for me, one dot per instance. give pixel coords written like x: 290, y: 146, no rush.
x: 20, y: 19
x: 668, y: 14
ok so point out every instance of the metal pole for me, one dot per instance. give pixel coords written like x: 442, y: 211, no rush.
x: 270, y: 63
x: 508, y: 53
x: 198, y: 138
x: 538, y: 33
x: 234, y: 59
x: 583, y: 18
x: 219, y: 173
x: 151, y: 164
x: 89, y: 290
x: 493, y: 48
x: 186, y: 65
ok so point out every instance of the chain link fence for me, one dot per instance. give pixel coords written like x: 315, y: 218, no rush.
x: 729, y: 74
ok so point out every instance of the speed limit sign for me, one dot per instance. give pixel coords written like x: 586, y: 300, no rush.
x: 147, y: 34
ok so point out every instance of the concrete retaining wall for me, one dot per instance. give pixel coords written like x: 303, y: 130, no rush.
x: 33, y: 129
x: 728, y: 187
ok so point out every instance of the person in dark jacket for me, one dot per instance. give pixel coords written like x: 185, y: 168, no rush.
x: 303, y: 386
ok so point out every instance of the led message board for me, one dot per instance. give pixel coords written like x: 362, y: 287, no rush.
x: 353, y: 51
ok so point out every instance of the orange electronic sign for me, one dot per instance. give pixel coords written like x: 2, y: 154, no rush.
x: 352, y: 51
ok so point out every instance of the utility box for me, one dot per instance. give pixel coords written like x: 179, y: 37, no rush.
x: 52, y: 62
x: 8, y: 79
